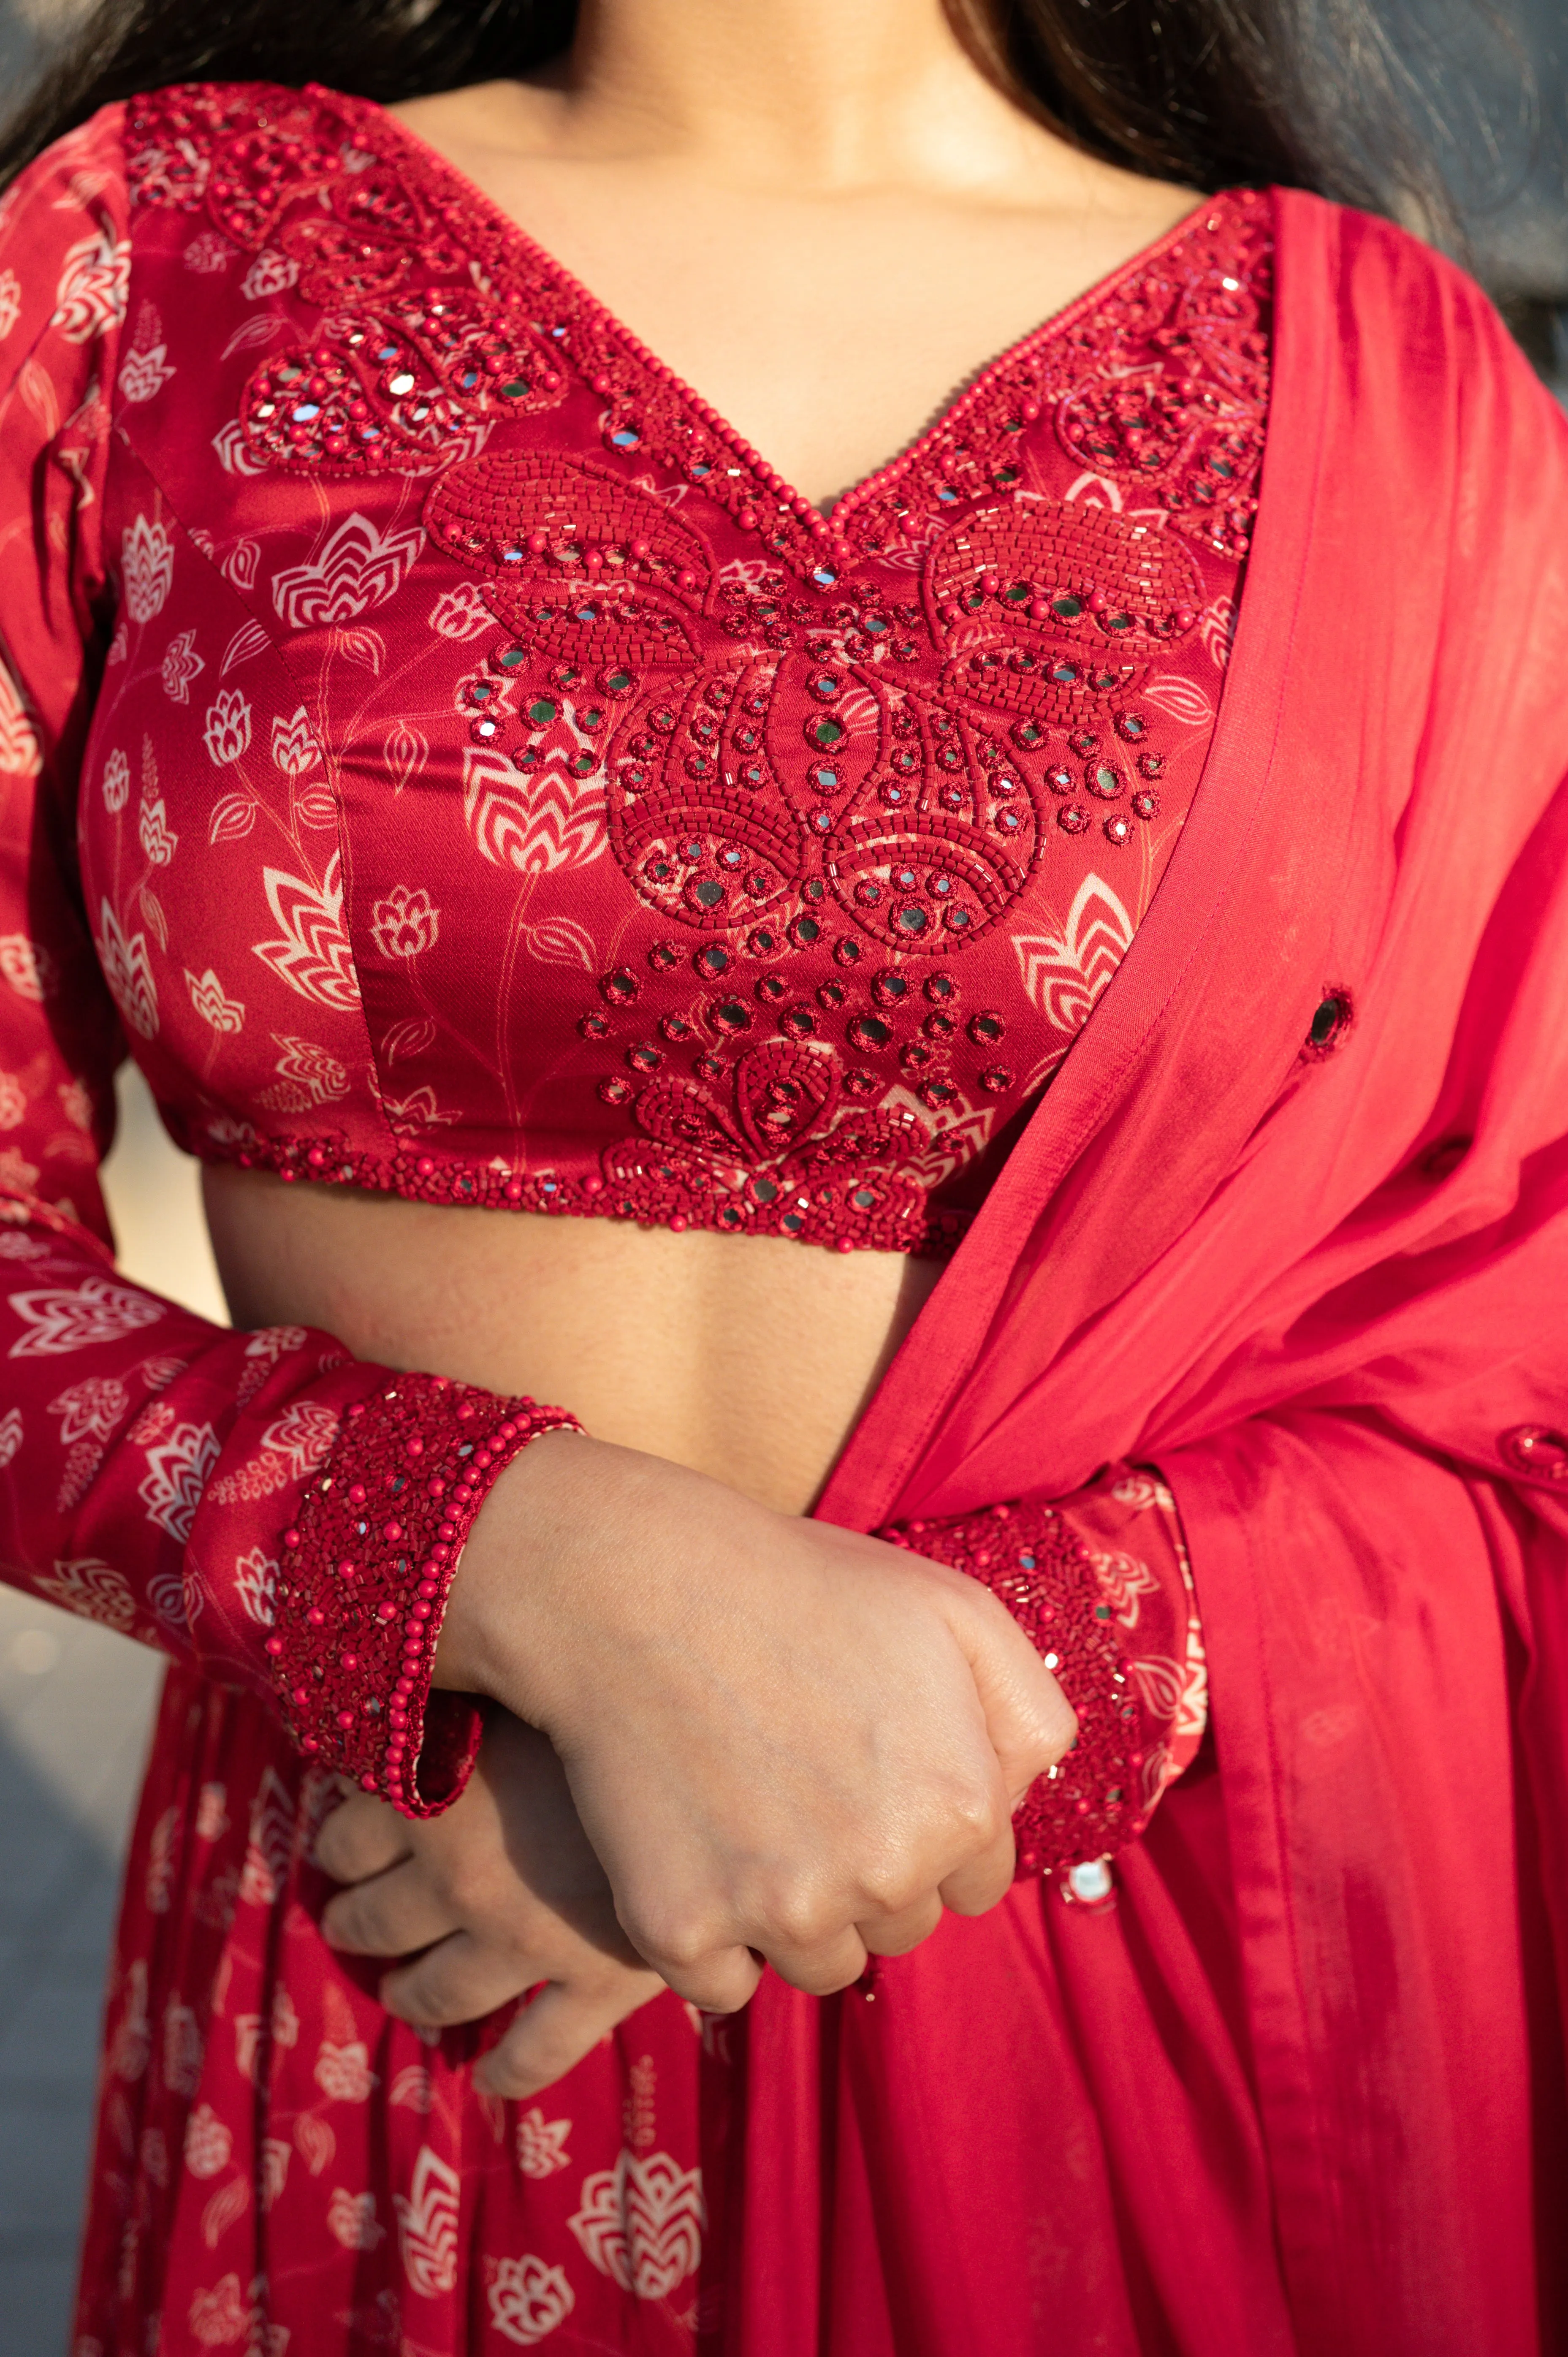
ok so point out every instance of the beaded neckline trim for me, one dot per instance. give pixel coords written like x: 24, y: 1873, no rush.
x: 950, y: 419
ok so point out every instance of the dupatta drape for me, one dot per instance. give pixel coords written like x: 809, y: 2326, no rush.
x: 1330, y: 1297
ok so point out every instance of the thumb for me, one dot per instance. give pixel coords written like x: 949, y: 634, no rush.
x: 1029, y: 1719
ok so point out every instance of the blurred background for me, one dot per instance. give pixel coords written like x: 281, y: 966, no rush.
x: 74, y: 1698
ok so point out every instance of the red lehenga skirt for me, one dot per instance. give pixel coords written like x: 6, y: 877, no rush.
x: 1034, y: 2134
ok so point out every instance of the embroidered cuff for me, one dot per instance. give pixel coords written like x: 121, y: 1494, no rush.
x: 1123, y: 1639
x: 366, y: 1566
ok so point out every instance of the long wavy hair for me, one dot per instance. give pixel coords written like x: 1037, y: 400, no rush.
x: 1310, y: 93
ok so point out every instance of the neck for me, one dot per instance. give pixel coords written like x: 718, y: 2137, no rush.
x: 810, y: 93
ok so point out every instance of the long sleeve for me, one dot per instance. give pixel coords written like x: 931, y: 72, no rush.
x: 1101, y: 1584
x: 155, y: 1471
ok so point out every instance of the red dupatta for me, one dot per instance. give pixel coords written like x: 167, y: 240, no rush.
x: 1329, y: 1296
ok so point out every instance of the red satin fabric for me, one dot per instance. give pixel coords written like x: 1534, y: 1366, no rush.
x: 1296, y: 2085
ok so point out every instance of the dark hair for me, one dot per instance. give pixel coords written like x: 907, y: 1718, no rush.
x: 1312, y: 94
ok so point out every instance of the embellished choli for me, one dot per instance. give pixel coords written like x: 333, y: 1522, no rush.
x: 504, y: 790
x: 453, y: 763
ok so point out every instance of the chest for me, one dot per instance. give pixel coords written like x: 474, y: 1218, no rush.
x: 505, y: 788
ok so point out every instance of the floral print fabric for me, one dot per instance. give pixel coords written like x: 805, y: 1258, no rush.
x: 265, y: 704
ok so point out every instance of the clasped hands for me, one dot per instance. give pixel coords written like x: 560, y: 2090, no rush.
x: 725, y: 1737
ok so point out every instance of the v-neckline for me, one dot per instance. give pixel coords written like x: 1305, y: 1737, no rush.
x: 859, y: 494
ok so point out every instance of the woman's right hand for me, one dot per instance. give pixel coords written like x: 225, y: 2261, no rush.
x: 785, y: 1741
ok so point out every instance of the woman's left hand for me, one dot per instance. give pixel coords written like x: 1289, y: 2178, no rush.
x: 500, y: 1893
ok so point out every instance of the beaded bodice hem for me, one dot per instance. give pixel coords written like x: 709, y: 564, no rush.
x: 504, y: 790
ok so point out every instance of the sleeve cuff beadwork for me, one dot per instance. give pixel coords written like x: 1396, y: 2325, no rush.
x: 366, y: 1566
x: 1121, y: 1633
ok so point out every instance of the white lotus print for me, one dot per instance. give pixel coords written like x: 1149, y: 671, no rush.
x: 255, y: 1584
x: 461, y: 613
x: 541, y: 2144
x: 128, y: 970
x: 355, y: 568
x: 75, y: 1318
x: 271, y: 273
x: 1065, y: 972
x: 117, y: 782
x: 12, y: 1431
x: 26, y: 966
x: 10, y: 302
x: 219, y: 2317
x: 313, y: 956
x: 352, y: 2219
x: 533, y: 821
x: 156, y: 839
x: 173, y: 1488
x: 181, y: 664
x: 427, y: 2225
x: 211, y: 1814
x: 144, y: 373
x: 147, y: 567
x: 227, y: 735
x: 308, y: 1076
x: 1122, y: 1578
x: 13, y: 1102
x: 406, y: 922
x: 92, y: 1590
x: 93, y: 287
x: 213, y: 1004
x: 344, y: 2074
x: 21, y: 755
x: 207, y: 252
x: 528, y: 2299
x: 641, y: 2223
x: 233, y: 453
x: 293, y: 744
x: 208, y: 2143
x: 91, y: 1410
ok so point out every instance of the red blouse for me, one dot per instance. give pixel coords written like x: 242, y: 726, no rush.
x: 474, y: 774
x: 461, y: 641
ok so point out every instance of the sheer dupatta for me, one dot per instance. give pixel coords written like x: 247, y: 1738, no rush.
x: 1324, y: 1285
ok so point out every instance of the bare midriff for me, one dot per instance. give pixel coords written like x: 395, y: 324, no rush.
x: 748, y: 1358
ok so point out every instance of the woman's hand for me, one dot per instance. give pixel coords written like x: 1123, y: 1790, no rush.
x: 500, y: 1892
x: 785, y: 1741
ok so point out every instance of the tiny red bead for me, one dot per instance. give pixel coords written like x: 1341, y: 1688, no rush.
x: 273, y: 1646
x: 344, y: 1718
x: 368, y: 1783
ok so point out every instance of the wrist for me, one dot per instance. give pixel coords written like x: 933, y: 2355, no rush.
x: 366, y: 1571
x: 494, y: 1625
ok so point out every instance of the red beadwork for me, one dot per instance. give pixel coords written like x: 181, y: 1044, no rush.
x: 431, y: 1449
x: 1092, y: 1802
x: 841, y: 750
x: 1536, y: 1450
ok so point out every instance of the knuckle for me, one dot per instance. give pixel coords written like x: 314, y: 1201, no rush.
x: 889, y: 1886
x: 798, y: 1917
x: 669, y: 1938
x: 977, y: 1812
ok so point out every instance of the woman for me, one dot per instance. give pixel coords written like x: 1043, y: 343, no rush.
x: 607, y: 920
